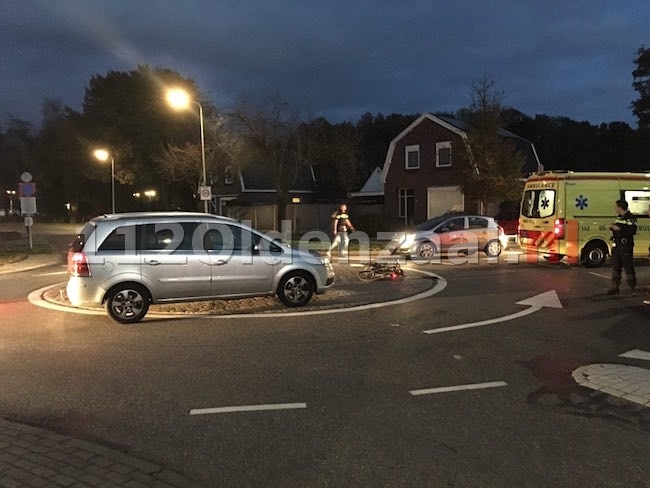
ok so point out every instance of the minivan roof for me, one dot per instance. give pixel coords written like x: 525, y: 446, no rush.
x: 158, y: 215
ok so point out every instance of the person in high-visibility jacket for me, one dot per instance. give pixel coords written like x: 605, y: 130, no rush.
x: 341, y: 228
x: 623, y: 230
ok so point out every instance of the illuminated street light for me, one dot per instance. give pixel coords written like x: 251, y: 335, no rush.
x: 103, y: 155
x: 11, y: 194
x: 179, y: 99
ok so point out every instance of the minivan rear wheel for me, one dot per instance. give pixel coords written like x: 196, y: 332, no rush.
x: 296, y: 289
x: 127, y: 303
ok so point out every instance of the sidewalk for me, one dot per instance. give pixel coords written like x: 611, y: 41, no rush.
x: 33, y: 457
x: 628, y: 382
x: 32, y: 261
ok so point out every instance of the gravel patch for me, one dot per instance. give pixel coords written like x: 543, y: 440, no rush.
x: 348, y: 291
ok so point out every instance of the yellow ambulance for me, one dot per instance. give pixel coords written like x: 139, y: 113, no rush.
x: 567, y: 214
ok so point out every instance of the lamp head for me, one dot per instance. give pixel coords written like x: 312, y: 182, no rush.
x: 101, y: 154
x: 178, y: 99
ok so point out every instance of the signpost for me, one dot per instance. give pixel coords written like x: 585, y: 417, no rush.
x: 27, y: 190
x: 205, y: 192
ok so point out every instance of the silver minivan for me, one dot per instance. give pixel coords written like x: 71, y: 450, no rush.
x: 129, y: 261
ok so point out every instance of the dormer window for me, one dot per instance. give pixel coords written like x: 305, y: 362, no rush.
x: 227, y: 175
x: 443, y: 154
x: 412, y: 157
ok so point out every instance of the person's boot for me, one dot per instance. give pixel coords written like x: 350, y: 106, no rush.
x: 613, y: 290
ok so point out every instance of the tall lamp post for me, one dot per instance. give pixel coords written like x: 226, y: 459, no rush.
x: 179, y: 99
x: 103, y: 155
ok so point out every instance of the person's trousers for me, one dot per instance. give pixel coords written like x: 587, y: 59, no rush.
x: 341, y: 241
x: 623, y: 261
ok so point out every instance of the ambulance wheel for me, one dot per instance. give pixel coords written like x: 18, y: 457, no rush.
x: 594, y: 254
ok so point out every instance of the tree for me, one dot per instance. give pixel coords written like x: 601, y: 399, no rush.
x: 16, y: 153
x: 641, y: 83
x: 68, y: 182
x: 495, y: 165
x: 182, y: 165
x: 270, y: 138
x: 333, y: 151
x: 127, y: 112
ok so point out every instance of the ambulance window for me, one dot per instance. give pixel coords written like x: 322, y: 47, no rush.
x: 538, y: 203
x: 638, y: 200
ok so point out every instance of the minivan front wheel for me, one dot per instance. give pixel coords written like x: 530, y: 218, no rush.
x: 296, y: 289
x: 127, y: 303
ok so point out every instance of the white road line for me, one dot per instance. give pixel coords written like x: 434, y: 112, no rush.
x: 36, y: 298
x: 50, y: 274
x: 600, y: 275
x: 636, y: 354
x: 446, y: 389
x: 536, y: 303
x: 248, y: 408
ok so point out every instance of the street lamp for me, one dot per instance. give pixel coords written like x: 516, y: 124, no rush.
x: 11, y: 194
x: 179, y: 99
x: 103, y: 155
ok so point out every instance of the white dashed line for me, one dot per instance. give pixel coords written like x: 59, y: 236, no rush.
x: 248, y: 408
x: 447, y: 389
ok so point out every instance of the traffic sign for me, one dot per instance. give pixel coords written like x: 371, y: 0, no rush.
x: 27, y: 189
x: 28, y: 205
x: 205, y: 192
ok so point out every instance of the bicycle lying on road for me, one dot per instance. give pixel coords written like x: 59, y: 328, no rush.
x: 381, y: 271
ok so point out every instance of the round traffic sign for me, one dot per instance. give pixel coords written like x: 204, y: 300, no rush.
x: 26, y: 177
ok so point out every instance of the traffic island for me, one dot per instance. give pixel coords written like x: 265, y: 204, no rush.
x: 348, y: 291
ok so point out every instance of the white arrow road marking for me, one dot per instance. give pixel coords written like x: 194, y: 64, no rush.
x: 636, y: 354
x: 536, y: 303
x: 446, y: 389
x: 247, y: 408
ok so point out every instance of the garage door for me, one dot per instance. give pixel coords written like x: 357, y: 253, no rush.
x: 441, y: 199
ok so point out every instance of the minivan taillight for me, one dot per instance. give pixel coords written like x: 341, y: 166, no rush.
x: 558, y: 228
x: 80, y: 266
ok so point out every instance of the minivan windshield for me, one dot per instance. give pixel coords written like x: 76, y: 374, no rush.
x: 538, y: 203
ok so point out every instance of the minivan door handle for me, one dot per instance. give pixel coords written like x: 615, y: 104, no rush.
x: 153, y: 262
x: 219, y: 262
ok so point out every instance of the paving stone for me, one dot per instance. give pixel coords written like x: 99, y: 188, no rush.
x: 63, y: 480
x: 8, y: 482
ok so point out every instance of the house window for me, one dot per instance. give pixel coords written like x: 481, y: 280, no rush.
x: 412, y: 157
x: 227, y: 175
x: 443, y: 154
x: 406, y: 202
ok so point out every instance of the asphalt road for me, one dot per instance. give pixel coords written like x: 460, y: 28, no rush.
x: 342, y: 386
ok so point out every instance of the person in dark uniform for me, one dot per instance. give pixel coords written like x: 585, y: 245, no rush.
x: 623, y: 230
x: 341, y: 228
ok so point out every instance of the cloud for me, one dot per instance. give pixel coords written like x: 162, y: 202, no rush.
x: 336, y: 59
